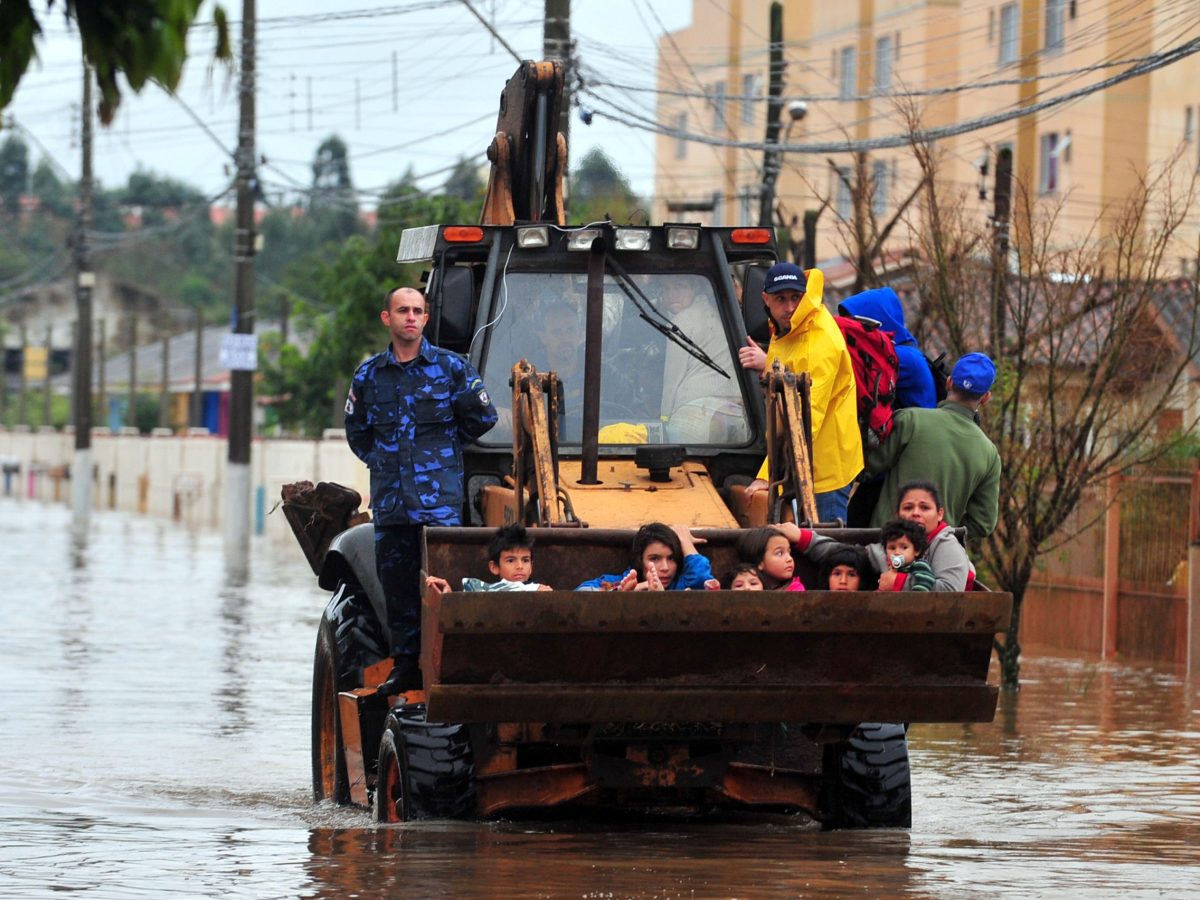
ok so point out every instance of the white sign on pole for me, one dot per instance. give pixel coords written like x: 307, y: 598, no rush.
x: 239, y: 352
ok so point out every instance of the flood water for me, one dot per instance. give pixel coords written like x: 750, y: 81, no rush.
x: 155, y: 742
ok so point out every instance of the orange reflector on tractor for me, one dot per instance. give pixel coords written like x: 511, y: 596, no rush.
x: 463, y: 234
x: 751, y: 236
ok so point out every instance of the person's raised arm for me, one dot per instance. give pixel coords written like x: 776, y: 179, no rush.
x: 686, y: 540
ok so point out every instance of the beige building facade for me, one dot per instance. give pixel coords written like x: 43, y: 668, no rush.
x: 859, y: 74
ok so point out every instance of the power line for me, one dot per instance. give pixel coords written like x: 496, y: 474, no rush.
x: 916, y: 92
x: 1153, y: 63
x: 494, y: 33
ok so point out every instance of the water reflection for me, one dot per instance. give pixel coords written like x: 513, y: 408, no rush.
x: 712, y: 858
x: 233, y: 624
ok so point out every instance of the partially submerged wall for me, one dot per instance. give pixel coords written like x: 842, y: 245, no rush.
x: 180, y: 477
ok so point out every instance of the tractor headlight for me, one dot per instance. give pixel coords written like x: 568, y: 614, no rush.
x: 633, y: 239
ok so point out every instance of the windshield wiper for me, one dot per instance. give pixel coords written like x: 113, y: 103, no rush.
x: 656, y: 320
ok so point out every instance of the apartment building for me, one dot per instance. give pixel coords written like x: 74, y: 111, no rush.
x: 863, y: 74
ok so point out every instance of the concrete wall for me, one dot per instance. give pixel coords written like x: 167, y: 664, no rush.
x: 174, y: 477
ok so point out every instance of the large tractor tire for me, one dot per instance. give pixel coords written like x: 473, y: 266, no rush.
x: 349, y: 639
x: 867, y: 780
x: 426, y: 770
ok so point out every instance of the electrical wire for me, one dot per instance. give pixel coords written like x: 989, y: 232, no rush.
x: 1153, y: 63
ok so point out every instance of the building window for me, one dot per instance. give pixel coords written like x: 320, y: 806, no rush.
x: 991, y: 26
x: 681, y: 141
x: 1054, y: 24
x: 718, y: 105
x: 880, y: 185
x: 1009, y: 17
x: 1189, y: 123
x: 844, y: 203
x: 1048, y: 164
x: 749, y: 98
x: 883, y: 65
x: 848, y: 77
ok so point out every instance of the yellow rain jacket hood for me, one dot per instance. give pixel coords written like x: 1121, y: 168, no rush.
x: 815, y: 345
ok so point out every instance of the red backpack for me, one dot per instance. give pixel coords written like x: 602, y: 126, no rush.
x: 876, y: 368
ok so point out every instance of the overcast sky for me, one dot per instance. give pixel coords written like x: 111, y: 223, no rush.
x: 451, y: 72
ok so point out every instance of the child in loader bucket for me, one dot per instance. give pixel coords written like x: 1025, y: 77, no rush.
x: 664, y: 559
x: 510, y: 555
x: 904, y: 544
x: 769, y: 549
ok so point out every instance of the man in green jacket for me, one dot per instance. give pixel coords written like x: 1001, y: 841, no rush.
x: 945, y: 446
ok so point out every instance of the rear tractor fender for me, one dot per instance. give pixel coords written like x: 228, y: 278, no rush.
x: 351, y: 557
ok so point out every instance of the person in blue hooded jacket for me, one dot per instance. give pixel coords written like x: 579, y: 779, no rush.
x: 914, y: 385
x: 914, y: 382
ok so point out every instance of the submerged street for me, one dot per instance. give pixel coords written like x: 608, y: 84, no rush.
x: 156, y: 742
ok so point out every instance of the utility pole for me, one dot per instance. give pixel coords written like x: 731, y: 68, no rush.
x: 772, y: 157
x: 241, y: 388
x: 85, y: 280
x: 556, y: 44
x: 810, y: 237
x: 1002, y: 196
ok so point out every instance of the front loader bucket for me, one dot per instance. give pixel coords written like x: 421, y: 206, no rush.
x: 707, y: 656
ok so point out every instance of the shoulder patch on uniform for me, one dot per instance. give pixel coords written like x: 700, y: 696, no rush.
x: 483, y: 397
x: 350, y: 400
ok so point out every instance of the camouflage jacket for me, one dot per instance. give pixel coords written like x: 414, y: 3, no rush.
x: 408, y: 422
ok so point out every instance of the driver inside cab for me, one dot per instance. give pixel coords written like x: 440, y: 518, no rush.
x: 699, y: 404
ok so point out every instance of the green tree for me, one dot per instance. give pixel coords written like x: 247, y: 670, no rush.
x: 465, y: 182
x: 600, y: 190
x: 14, y: 172
x: 333, y: 205
x: 53, y: 195
x: 1092, y: 338
x: 142, y: 40
x: 147, y: 189
x: 345, y: 325
x: 197, y: 292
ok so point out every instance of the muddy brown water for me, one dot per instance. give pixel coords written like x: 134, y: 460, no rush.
x: 155, y: 742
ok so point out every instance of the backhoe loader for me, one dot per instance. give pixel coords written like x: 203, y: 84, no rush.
x: 611, y: 351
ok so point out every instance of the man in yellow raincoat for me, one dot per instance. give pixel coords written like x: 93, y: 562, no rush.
x: 805, y: 338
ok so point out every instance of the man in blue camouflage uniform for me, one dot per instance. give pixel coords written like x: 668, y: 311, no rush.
x: 409, y: 411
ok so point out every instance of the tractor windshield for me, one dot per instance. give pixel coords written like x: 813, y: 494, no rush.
x: 653, y: 390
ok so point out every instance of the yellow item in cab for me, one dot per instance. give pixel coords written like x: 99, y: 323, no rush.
x: 624, y: 433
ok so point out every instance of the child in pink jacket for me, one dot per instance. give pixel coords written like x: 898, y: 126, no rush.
x: 771, y: 551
